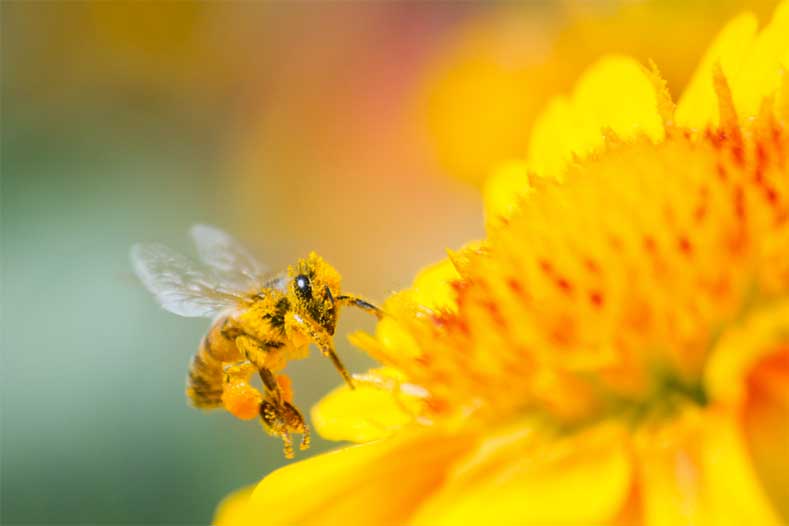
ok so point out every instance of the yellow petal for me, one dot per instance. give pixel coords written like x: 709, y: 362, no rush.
x: 700, y: 473
x: 389, y: 337
x: 232, y: 511
x: 509, y: 480
x: 754, y: 67
x: 741, y: 348
x: 766, y: 423
x: 504, y: 188
x: 433, y: 285
x: 613, y: 94
x: 733, y: 494
x: 698, y: 106
x: 762, y: 68
x: 375, y: 409
x: 376, y: 483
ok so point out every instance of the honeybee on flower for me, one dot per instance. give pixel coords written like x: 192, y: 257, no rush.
x: 260, y: 322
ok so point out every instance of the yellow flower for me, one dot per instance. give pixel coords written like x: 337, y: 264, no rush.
x: 616, y: 351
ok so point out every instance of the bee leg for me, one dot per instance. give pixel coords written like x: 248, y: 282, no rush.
x: 274, y: 418
x: 270, y: 383
x: 328, y: 350
x: 295, y: 423
x: 305, y: 439
x: 287, y: 445
x: 355, y: 301
x: 320, y: 338
x: 264, y: 359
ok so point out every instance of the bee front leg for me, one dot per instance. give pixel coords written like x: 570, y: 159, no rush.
x: 324, y: 341
x: 359, y: 303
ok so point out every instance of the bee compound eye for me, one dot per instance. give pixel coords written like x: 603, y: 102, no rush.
x: 303, y: 287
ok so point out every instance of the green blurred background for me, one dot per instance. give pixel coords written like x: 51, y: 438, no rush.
x: 359, y: 130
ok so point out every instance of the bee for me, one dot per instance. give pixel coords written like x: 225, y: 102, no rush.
x: 260, y: 322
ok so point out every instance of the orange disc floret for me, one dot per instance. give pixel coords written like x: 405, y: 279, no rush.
x: 242, y: 400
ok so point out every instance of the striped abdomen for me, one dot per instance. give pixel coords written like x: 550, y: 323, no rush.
x: 206, y: 374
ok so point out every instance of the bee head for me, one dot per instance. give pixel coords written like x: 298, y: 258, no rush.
x: 314, y: 285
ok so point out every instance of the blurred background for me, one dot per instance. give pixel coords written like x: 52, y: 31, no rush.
x: 361, y: 130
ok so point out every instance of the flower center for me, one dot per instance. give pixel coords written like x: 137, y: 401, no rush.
x: 605, y: 294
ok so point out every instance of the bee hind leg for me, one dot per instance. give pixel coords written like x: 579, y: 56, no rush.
x: 294, y: 422
x: 305, y: 439
x: 270, y: 383
x: 287, y: 445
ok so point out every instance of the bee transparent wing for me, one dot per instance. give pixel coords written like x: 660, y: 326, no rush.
x: 179, y: 286
x: 222, y: 252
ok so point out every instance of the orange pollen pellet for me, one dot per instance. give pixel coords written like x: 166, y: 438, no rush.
x: 242, y: 400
